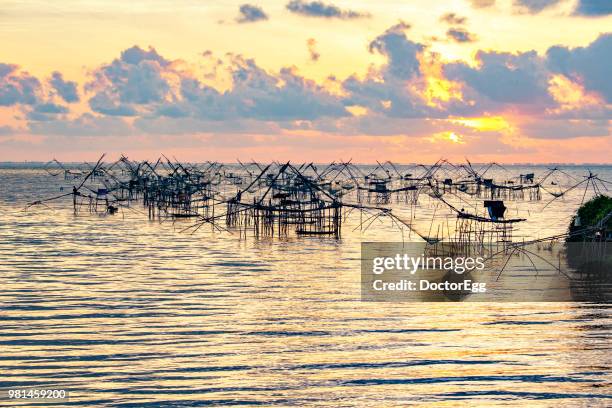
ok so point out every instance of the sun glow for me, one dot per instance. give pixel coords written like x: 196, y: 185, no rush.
x: 447, y: 137
x: 357, y: 110
x: 453, y: 137
x: 437, y: 88
x: 484, y: 124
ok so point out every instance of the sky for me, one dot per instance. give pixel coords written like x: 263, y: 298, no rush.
x: 512, y: 81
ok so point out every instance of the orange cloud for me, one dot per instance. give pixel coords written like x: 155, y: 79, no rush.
x: 437, y: 88
x: 571, y: 94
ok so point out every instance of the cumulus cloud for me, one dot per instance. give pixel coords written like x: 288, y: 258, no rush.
x: 285, y: 96
x: 461, y: 35
x: 67, y: 90
x: 142, y: 92
x: 150, y: 85
x: 103, y: 103
x: 590, y: 65
x: 17, y: 87
x: 452, y: 18
x: 250, y: 14
x: 594, y: 8
x: 138, y: 77
x: 534, y: 6
x: 393, y: 88
x: 401, y: 53
x: 504, y: 78
x: 320, y: 9
x: 46, y: 111
x: 6, y: 69
x: 135, y: 55
x: 51, y: 108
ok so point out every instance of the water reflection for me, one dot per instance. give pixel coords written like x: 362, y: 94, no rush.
x: 129, y: 313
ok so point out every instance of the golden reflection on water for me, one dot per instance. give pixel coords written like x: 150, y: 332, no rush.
x: 126, y: 312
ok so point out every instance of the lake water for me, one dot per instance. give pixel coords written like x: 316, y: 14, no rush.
x: 126, y: 312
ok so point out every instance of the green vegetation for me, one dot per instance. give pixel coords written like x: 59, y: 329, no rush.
x: 589, y: 214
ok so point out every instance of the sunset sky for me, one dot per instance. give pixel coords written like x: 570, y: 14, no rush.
x: 408, y: 81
